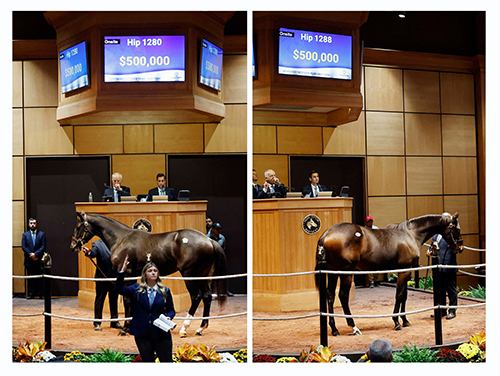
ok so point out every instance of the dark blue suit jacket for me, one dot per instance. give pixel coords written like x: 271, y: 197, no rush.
x: 255, y: 189
x: 38, y: 248
x: 102, y: 254
x: 278, y: 188
x: 307, y: 190
x: 124, y: 192
x: 172, y: 196
x: 144, y: 315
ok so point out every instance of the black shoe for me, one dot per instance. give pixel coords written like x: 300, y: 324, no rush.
x: 116, y: 325
x: 443, y: 314
x: 30, y: 296
x: 230, y: 293
x: 451, y: 316
x: 41, y: 297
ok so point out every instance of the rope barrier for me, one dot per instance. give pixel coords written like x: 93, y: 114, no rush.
x: 465, y: 247
x: 472, y: 274
x: 366, y: 316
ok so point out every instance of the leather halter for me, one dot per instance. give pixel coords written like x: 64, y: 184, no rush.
x: 79, y: 241
x: 451, y: 226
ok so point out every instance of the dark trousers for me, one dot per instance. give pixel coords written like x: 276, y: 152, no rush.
x: 35, y: 285
x: 449, y: 286
x: 101, y: 290
x: 162, y: 346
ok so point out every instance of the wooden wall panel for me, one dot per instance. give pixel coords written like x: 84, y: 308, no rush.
x: 18, y: 284
x: 460, y: 175
x: 424, y: 176
x: 234, y: 79
x: 18, y: 178
x: 230, y: 135
x: 264, y: 139
x: 43, y: 135
x: 138, y: 138
x: 139, y: 171
x: 468, y: 208
x: 386, y: 176
x: 384, y: 89
x: 104, y: 139
x: 345, y: 139
x: 387, y: 210
x: 17, y: 84
x: 17, y: 132
x: 459, y: 135
x: 18, y: 222
x: 384, y: 133
x: 457, y: 93
x: 263, y: 262
x: 423, y: 205
x: 423, y: 134
x: 279, y: 163
x: 300, y: 140
x: 40, y: 83
x: 179, y: 138
x: 421, y: 91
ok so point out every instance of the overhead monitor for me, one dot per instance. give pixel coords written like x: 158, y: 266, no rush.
x: 211, y: 65
x: 313, y: 54
x: 159, y: 58
x: 73, y: 65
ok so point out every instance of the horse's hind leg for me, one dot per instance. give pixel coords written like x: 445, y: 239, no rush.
x: 401, y: 295
x: 207, y: 301
x: 195, y: 294
x: 332, y: 283
x: 345, y: 288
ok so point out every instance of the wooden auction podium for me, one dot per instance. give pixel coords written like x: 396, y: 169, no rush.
x: 281, y: 245
x: 164, y: 217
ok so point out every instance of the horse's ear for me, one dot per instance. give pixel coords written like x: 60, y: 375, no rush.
x: 79, y: 216
x: 455, y: 216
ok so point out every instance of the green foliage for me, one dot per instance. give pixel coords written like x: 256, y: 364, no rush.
x: 429, y: 285
x: 109, y: 356
x: 412, y: 354
x: 480, y: 292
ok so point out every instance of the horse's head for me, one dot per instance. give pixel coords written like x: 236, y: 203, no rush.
x: 452, y: 234
x: 82, y: 232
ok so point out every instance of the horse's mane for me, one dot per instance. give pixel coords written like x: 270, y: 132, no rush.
x: 108, y: 219
x: 427, y: 220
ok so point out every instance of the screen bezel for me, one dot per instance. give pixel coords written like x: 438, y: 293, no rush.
x: 201, y: 64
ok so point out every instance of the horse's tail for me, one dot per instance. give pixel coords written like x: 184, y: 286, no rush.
x: 220, y: 269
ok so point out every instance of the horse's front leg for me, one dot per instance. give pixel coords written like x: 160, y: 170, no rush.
x: 401, y: 295
x: 195, y: 295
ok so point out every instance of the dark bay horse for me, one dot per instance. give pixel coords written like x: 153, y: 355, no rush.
x: 188, y: 251
x: 347, y: 246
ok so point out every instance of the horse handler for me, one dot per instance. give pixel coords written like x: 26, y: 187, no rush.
x: 150, y: 300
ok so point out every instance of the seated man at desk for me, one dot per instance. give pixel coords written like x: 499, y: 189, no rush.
x: 162, y: 189
x: 117, y: 190
x: 272, y: 186
x: 314, y: 188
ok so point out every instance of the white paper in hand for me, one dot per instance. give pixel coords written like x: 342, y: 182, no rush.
x: 164, y: 324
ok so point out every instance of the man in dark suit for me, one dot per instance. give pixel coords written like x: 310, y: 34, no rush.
x: 272, y: 186
x: 117, y: 190
x: 34, y: 245
x: 314, y: 188
x: 104, y: 269
x: 162, y: 189
x: 255, y: 186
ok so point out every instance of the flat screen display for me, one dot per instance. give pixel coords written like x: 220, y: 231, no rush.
x: 211, y: 65
x: 73, y: 65
x: 144, y: 58
x: 313, y: 54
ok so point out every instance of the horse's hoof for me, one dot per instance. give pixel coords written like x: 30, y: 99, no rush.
x: 335, y: 333
x: 406, y: 324
x: 398, y: 327
x: 122, y: 332
x: 198, y: 333
x: 182, y: 334
x: 356, y: 332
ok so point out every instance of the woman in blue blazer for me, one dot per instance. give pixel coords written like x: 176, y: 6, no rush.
x: 148, y: 338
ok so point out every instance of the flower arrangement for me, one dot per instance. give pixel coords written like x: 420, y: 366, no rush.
x: 321, y: 354
x: 31, y: 352
x: 412, y: 354
x: 241, y: 355
x: 75, y: 356
x: 450, y: 356
x: 480, y: 292
x: 108, y: 356
x: 287, y: 359
x: 192, y: 353
x: 471, y: 352
x: 263, y: 358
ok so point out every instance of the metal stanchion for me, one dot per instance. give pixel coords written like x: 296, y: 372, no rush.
x: 438, y: 329
x: 48, y: 306
x: 323, y: 323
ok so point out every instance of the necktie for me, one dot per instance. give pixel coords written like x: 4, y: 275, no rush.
x: 33, y: 237
x: 315, y: 191
x: 116, y: 195
x: 271, y: 189
x: 151, y: 296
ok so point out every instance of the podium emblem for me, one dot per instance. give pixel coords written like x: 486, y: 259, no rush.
x: 311, y: 224
x: 143, y: 224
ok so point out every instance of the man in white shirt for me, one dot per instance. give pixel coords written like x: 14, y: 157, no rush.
x: 314, y: 188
